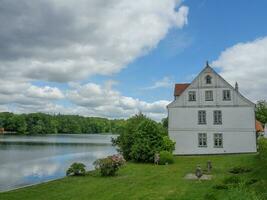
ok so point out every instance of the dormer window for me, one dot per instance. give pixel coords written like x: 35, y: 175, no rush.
x: 208, y: 79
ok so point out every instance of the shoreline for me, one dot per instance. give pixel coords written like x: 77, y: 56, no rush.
x: 30, y: 185
x: 42, y: 182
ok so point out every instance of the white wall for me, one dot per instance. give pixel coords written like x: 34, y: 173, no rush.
x: 238, y: 118
x: 238, y: 129
x: 233, y: 142
x: 233, y: 118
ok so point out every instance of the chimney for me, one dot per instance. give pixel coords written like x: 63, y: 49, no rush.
x: 236, y: 86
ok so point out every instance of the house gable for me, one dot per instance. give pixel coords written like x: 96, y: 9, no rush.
x: 209, y: 80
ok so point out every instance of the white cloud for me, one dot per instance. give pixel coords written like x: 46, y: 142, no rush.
x: 68, y: 40
x: 166, y: 82
x: 27, y: 95
x: 88, y: 100
x: 105, y: 101
x: 44, y: 92
x: 246, y: 63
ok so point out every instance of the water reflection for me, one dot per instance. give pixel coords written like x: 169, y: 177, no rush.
x: 29, y: 162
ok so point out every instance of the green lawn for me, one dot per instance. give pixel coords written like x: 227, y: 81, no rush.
x: 147, y: 181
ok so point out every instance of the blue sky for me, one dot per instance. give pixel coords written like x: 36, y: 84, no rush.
x: 212, y: 27
x: 113, y: 59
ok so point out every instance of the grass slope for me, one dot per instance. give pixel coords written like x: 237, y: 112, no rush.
x: 150, y: 182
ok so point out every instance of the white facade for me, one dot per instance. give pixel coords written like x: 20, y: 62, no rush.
x: 215, y: 122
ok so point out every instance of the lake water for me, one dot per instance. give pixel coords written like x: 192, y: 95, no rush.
x: 26, y: 160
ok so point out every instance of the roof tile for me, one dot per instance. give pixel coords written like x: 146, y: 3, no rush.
x: 179, y: 88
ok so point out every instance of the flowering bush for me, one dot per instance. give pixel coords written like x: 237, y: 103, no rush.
x: 110, y: 165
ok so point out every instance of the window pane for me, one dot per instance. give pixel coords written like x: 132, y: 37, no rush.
x: 226, y: 95
x: 208, y: 79
x: 202, y: 117
x: 218, y: 140
x: 202, y: 140
x: 209, y: 95
x: 192, y: 96
x: 217, y: 117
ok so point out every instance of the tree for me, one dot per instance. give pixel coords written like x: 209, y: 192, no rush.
x: 261, y: 111
x: 142, y: 138
x: 20, y: 123
x: 164, y: 122
x: 40, y: 123
x: 148, y: 141
x: 126, y: 139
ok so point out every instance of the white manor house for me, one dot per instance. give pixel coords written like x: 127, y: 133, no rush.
x: 209, y: 116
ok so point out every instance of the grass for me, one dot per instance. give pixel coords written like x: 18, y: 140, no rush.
x: 150, y: 182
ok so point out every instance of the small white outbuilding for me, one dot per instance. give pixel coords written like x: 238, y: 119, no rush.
x: 209, y: 116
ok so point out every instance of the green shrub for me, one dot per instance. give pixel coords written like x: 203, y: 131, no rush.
x: 76, y: 169
x: 232, y: 180
x: 168, y: 144
x: 263, y: 149
x: 110, y: 165
x: 165, y: 157
x: 240, y: 170
x: 220, y: 187
x: 126, y: 139
x: 142, y: 138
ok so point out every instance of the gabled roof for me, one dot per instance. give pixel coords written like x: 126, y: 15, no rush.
x: 179, y: 88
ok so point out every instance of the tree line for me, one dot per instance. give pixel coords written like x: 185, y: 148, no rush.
x: 40, y: 123
x: 261, y: 111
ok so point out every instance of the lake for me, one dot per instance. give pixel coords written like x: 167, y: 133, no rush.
x: 26, y: 160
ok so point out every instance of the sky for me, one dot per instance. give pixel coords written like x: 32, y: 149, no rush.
x: 115, y: 58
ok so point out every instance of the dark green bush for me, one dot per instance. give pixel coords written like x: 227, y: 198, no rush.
x: 263, y: 149
x: 76, y: 169
x: 165, y: 157
x: 232, y: 180
x: 110, y: 165
x: 240, y: 170
x: 220, y: 187
x: 142, y: 139
x: 127, y: 137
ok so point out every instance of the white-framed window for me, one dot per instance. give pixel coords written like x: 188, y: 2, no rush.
x: 192, y: 96
x: 217, y: 117
x: 209, y: 95
x: 202, y: 140
x: 202, y: 117
x: 226, y: 95
x: 208, y: 79
x: 218, y: 140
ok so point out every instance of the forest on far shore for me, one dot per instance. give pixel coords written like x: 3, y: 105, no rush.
x: 40, y: 123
